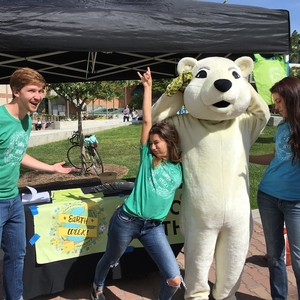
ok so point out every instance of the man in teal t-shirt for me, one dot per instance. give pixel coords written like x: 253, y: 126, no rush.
x: 15, y: 125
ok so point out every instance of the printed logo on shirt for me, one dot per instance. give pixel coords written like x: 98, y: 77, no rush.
x: 16, y: 149
x: 163, y: 182
x: 283, y: 149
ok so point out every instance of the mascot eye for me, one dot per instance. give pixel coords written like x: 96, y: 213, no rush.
x: 235, y: 75
x: 201, y: 74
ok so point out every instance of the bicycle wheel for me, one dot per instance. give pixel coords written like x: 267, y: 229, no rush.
x: 74, y: 157
x: 97, y: 162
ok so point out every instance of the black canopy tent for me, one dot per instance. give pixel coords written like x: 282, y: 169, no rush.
x: 75, y: 40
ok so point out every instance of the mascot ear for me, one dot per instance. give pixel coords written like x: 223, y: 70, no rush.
x: 245, y: 63
x: 186, y: 64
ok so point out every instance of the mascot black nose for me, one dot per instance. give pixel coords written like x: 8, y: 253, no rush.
x: 223, y: 85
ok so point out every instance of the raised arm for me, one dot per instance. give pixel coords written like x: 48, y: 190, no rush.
x: 147, y: 105
x: 259, y: 114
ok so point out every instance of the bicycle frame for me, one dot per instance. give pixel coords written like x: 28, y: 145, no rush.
x: 91, y: 158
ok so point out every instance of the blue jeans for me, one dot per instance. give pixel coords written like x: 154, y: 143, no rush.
x: 13, y: 242
x: 274, y: 213
x: 123, y: 228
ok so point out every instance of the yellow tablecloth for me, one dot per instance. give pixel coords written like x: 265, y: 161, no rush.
x: 75, y: 224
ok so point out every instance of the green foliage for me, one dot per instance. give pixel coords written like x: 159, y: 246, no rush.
x: 295, y: 47
x: 76, y: 92
x: 295, y: 54
x: 159, y: 86
x: 121, y: 146
x: 295, y: 72
x: 110, y: 90
x: 136, y: 102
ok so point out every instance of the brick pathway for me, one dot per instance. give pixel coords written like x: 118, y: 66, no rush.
x: 254, y: 285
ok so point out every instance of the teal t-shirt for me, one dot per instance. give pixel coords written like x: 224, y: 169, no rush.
x: 154, y: 188
x: 14, y: 136
x: 282, y: 178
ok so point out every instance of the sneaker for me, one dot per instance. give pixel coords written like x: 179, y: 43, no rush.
x: 95, y: 296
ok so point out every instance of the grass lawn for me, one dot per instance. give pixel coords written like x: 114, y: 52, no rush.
x: 120, y: 146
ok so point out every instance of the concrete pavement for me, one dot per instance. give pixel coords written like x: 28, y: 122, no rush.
x: 145, y: 286
x: 254, y: 284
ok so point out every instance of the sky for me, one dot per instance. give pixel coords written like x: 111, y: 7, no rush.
x: 293, y: 6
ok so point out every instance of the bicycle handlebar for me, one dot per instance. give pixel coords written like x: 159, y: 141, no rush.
x: 91, y: 140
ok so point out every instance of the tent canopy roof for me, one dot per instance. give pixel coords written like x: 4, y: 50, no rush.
x: 75, y: 40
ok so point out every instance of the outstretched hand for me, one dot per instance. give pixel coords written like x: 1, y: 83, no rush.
x: 146, y: 78
x: 58, y: 167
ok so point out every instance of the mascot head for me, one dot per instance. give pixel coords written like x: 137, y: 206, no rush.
x: 217, y: 89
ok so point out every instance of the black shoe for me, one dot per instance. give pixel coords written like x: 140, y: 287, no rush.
x: 99, y: 296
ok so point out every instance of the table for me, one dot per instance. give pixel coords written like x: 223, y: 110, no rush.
x: 72, y: 268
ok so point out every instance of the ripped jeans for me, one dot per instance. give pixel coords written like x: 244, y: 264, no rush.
x: 123, y: 228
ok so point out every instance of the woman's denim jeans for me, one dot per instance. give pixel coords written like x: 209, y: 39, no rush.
x: 274, y: 213
x: 123, y: 228
x: 13, y: 242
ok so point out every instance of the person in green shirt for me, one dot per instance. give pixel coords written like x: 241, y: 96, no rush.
x: 15, y: 126
x: 141, y: 215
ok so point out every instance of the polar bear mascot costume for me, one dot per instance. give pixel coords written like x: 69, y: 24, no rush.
x: 225, y: 117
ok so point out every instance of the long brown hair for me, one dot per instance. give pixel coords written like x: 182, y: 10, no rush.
x: 169, y: 134
x: 289, y: 89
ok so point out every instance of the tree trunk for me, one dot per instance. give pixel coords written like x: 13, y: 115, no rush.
x: 106, y: 109
x: 81, y: 141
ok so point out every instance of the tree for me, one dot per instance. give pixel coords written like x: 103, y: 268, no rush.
x: 111, y: 90
x: 295, y: 54
x: 136, y: 102
x: 158, y: 88
x: 126, y: 84
x: 295, y: 47
x: 295, y: 72
x: 79, y: 94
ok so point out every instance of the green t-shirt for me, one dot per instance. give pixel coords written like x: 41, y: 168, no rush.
x: 154, y: 188
x: 14, y: 136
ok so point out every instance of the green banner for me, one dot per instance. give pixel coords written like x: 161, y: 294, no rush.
x: 267, y: 72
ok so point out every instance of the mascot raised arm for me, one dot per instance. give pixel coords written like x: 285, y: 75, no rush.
x: 225, y: 117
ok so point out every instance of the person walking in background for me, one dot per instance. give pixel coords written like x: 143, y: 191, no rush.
x: 126, y: 113
x: 15, y: 125
x: 142, y: 213
x: 135, y: 114
x: 278, y: 196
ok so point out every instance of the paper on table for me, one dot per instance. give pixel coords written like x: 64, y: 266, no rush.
x: 35, y: 197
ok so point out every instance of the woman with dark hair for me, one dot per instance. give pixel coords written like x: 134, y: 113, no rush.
x: 141, y: 215
x: 278, y: 196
